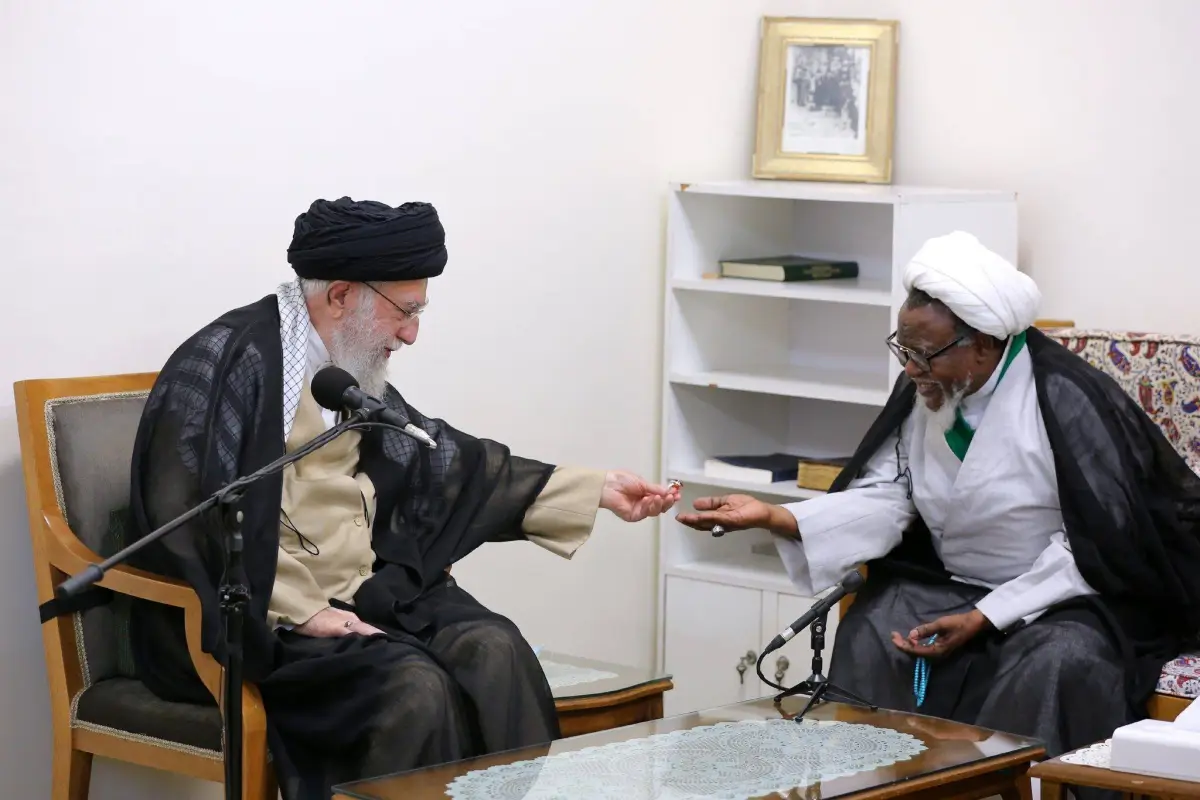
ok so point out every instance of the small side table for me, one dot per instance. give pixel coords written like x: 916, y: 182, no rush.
x: 593, y: 696
x: 1056, y: 773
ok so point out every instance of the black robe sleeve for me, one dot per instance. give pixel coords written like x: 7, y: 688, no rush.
x: 439, y: 505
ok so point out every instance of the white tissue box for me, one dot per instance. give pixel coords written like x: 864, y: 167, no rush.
x: 1161, y: 749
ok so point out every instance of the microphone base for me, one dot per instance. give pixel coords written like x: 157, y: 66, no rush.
x: 820, y: 690
x: 818, y: 687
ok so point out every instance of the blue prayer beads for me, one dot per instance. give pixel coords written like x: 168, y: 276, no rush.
x: 921, y: 674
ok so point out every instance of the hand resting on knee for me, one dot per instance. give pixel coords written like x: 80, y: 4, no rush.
x: 330, y: 623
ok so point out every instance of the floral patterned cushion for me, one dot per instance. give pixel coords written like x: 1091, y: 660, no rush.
x: 1181, y: 677
x: 1161, y: 372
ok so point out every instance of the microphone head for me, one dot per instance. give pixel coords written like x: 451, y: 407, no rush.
x: 850, y: 583
x: 329, y: 387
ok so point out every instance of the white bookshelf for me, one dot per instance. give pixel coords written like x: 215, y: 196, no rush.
x: 856, y: 291
x: 760, y: 367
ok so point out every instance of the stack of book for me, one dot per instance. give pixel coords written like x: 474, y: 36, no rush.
x: 808, y: 472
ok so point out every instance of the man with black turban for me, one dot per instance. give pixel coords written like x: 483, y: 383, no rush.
x: 370, y: 658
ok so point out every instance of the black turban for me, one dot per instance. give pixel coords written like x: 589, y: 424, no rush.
x: 368, y: 241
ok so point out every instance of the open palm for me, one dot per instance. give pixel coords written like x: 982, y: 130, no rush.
x: 733, y: 512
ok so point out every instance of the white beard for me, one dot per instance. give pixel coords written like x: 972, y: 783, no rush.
x: 943, y: 418
x: 361, y: 350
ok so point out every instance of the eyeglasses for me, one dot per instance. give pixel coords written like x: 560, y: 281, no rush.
x: 905, y: 354
x: 410, y: 314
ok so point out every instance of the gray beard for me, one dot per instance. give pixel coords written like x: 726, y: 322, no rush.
x: 360, y: 350
x: 943, y: 418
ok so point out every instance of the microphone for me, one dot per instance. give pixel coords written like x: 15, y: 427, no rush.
x: 848, y: 585
x: 335, y: 389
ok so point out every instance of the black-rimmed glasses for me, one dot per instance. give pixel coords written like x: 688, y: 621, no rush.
x: 905, y: 354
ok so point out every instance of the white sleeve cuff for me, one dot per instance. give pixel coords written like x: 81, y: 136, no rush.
x: 1052, y: 579
x: 838, y: 532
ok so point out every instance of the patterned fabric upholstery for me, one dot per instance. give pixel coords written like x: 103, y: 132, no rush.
x: 1163, y: 374
x: 91, y: 443
x: 1181, y: 677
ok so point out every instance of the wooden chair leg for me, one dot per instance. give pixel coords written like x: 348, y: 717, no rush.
x: 258, y: 775
x: 258, y: 781
x: 72, y: 774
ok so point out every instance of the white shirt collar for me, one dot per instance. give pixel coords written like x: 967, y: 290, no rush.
x: 973, y: 405
x: 318, y: 357
x: 317, y: 353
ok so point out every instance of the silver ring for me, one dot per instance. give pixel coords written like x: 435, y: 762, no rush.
x: 718, y: 530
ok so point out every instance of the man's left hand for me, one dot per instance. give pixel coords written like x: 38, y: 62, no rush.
x: 633, y: 499
x: 952, y: 633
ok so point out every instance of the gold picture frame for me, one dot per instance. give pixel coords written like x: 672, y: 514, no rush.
x: 816, y: 77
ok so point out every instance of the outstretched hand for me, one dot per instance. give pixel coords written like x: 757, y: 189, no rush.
x: 735, y: 512
x: 632, y: 499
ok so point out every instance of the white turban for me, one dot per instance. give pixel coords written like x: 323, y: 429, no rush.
x: 980, y: 287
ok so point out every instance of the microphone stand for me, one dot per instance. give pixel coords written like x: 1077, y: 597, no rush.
x: 817, y: 686
x: 234, y: 591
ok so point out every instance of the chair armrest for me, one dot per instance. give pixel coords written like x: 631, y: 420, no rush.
x: 72, y: 556
x: 68, y: 554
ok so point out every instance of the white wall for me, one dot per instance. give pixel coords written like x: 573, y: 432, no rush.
x: 155, y: 156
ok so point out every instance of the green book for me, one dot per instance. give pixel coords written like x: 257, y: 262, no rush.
x: 788, y: 268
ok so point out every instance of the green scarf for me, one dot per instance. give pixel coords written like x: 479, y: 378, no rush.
x: 960, y: 434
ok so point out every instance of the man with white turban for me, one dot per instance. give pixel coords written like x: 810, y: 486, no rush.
x: 1031, y: 537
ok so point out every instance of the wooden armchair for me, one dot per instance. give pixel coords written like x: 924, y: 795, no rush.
x: 76, y: 444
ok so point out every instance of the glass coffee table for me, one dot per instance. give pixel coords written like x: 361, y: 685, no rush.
x: 593, y: 696
x: 748, y: 750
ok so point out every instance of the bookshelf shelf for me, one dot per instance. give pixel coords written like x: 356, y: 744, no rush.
x: 756, y: 367
x: 786, y: 490
x: 844, y: 192
x: 864, y: 291
x: 845, y: 386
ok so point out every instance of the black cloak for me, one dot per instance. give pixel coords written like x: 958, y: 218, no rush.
x: 1131, y: 508
x: 216, y: 413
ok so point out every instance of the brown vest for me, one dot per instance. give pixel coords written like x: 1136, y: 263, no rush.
x: 332, y: 507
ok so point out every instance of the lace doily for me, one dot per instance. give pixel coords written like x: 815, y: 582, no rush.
x: 726, y: 761
x: 560, y: 675
x: 1096, y: 755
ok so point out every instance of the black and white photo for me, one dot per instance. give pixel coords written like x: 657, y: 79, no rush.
x: 826, y: 99
x: 825, y: 110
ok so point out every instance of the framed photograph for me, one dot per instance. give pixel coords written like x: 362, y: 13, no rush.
x: 826, y: 99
